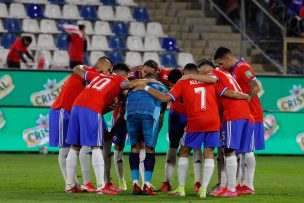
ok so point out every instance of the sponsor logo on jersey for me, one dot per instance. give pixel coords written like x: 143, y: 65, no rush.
x: 38, y: 135
x: 270, y: 126
x: 300, y: 140
x: 261, y: 92
x: 6, y: 85
x: 2, y: 120
x: 248, y: 74
x: 47, y: 97
x: 293, y: 102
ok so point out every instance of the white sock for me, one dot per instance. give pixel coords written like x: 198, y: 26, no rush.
x: 250, y: 162
x: 170, y: 164
x: 244, y: 169
x: 208, y: 170
x: 119, y: 165
x: 85, y: 163
x: 71, y: 163
x: 182, y: 170
x: 231, y: 168
x: 197, y: 164
x: 224, y: 178
x: 107, y: 160
x: 62, y: 156
x: 142, y: 156
x: 98, y: 165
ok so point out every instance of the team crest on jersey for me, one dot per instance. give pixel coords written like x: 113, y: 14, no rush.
x: 38, y: 135
x: 248, y: 74
x: 300, y: 140
x: 47, y: 97
x: 270, y: 126
x: 2, y: 120
x: 6, y: 85
x: 261, y: 92
x: 294, y: 102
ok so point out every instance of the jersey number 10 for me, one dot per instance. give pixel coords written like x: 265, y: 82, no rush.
x: 99, y: 83
x: 202, y: 91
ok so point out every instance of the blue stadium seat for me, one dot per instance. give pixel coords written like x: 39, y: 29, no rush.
x: 86, y: 61
x: 13, y: 25
x: 168, y: 60
x: 169, y: 44
x: 7, y: 40
x: 88, y: 13
x: 57, y: 1
x: 117, y: 43
x: 61, y: 42
x: 108, y: 2
x: 63, y: 21
x: 35, y: 11
x: 141, y: 14
x: 116, y: 57
x: 6, y: 1
x: 120, y: 28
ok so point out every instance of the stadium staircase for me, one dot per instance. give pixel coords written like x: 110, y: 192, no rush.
x: 200, y: 35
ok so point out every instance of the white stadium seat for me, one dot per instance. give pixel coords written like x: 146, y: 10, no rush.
x: 91, y: 2
x: 3, y: 55
x: 155, y: 29
x: 60, y: 59
x: 52, y: 11
x: 133, y: 59
x: 1, y: 27
x: 75, y: 2
x: 88, y: 26
x: 103, y: 28
x: 126, y: 3
x: 137, y: 29
x: 106, y: 13
x: 33, y: 45
x: 31, y: 26
x: 3, y: 10
x: 100, y: 43
x: 70, y: 12
x: 152, y: 44
x: 47, y: 54
x: 183, y: 58
x: 123, y: 13
x: 17, y: 11
x: 46, y: 41
x: 95, y: 55
x: 135, y: 43
x: 48, y: 26
x: 151, y: 55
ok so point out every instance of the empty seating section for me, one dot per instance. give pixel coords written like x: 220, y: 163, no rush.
x: 119, y: 29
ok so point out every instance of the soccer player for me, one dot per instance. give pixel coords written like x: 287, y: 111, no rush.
x: 202, y: 122
x: 235, y: 123
x: 59, y: 120
x: 244, y: 75
x: 177, y: 124
x: 143, y: 113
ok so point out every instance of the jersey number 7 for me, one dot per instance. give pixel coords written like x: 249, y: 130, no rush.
x: 202, y: 91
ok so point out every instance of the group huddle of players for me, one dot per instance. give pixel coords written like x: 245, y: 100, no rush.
x: 214, y: 105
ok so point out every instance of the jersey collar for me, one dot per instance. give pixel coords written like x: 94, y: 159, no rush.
x: 236, y: 64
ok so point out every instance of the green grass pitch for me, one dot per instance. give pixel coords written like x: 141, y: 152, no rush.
x: 36, y: 178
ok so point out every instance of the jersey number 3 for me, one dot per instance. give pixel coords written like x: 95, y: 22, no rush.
x: 99, y: 83
x: 202, y: 91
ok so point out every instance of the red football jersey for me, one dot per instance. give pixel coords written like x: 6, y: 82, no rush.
x: 200, y: 104
x: 76, y: 47
x: 100, y: 93
x: 233, y: 109
x: 15, y: 48
x: 243, y: 74
x: 163, y: 76
x: 70, y: 91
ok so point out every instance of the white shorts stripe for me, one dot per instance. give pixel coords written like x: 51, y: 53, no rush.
x: 61, y: 117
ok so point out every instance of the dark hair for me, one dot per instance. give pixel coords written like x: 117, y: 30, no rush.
x: 81, y: 26
x: 174, y: 75
x: 27, y: 38
x: 206, y: 62
x: 190, y: 67
x: 151, y: 64
x: 151, y: 75
x: 121, y: 67
x: 221, y: 52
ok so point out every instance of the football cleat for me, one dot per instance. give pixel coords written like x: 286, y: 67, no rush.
x: 215, y: 188
x: 123, y: 185
x: 73, y: 189
x: 112, y: 187
x: 136, y: 189
x: 226, y: 193
x: 217, y: 192
x: 180, y: 191
x: 166, y: 187
x: 202, y: 192
x: 244, y: 190
x: 88, y: 187
x: 105, y: 191
x: 197, y: 186
x: 148, y: 191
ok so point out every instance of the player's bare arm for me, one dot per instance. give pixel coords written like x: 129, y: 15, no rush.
x: 202, y: 78
x: 78, y: 70
x: 236, y: 95
x: 254, y: 88
x: 137, y: 82
x: 157, y: 94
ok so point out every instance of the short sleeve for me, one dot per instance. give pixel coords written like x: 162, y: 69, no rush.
x: 220, y: 89
x: 89, y: 75
x: 123, y: 83
x: 176, y: 91
x: 246, y: 73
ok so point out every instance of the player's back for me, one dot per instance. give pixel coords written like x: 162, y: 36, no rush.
x: 233, y: 109
x: 200, y: 105
x: 100, y: 93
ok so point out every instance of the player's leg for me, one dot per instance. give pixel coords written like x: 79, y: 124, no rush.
x: 142, y: 156
x: 85, y: 165
x: 197, y: 166
x: 133, y: 127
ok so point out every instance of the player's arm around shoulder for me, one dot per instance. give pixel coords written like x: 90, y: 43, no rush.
x: 79, y: 70
x: 236, y: 95
x: 202, y: 78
